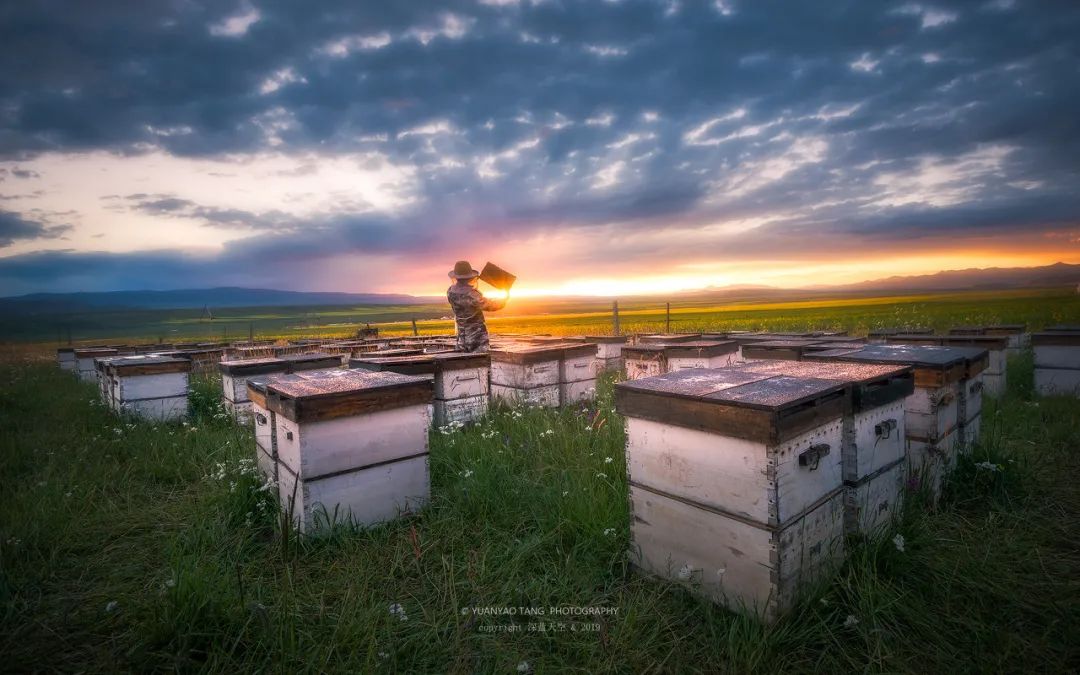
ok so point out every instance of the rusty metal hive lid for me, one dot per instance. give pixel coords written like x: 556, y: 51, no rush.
x: 693, y: 382
x: 778, y: 392
x: 319, y: 383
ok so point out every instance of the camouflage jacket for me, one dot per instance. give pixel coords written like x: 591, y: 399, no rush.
x: 469, y: 306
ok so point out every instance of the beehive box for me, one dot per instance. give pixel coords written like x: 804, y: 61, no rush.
x: 791, y: 349
x: 967, y: 330
x: 265, y: 427
x: 526, y: 373
x: 205, y: 359
x: 608, y: 351
x: 644, y: 361
x: 311, y: 361
x: 351, y: 445
x: 150, y: 386
x: 577, y: 373
x: 1018, y: 335
x: 461, y: 381
x: 735, y: 482
x: 932, y: 412
x: 1057, y: 362
x: 878, y: 335
x: 872, y: 503
x: 993, y: 375
x: 234, y: 382
x: 701, y: 354
x: 85, y: 368
x: 667, y: 338
x: 65, y: 358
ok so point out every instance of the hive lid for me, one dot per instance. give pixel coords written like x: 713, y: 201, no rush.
x: 701, y: 348
x: 668, y: 338
x: 398, y: 352
x: 827, y: 346
x: 934, y: 366
x: 872, y: 385
x: 914, y: 339
x: 313, y: 361
x: 967, y: 330
x: 734, y: 402
x: 786, y: 343
x: 520, y: 353
x: 643, y: 351
x: 904, y: 330
x: 1051, y: 339
x: 88, y: 352
x: 606, y: 339
x: 151, y: 364
x: 991, y: 342
x: 252, y: 366
x: 327, y: 394
x: 1006, y: 328
x: 422, y: 364
x: 1062, y: 328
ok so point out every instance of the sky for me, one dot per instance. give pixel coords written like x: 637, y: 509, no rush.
x: 608, y: 147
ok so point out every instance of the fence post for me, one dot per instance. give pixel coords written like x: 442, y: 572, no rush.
x: 667, y: 319
x: 251, y: 332
x: 414, y: 331
x: 615, y: 317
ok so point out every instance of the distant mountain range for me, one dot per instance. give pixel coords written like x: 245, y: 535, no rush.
x: 1058, y: 274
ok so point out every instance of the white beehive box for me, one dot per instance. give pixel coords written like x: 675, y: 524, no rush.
x: 234, y: 379
x: 932, y: 412
x: 577, y: 373
x: 85, y: 368
x: 871, y: 504
x: 65, y: 358
x: 994, y: 375
x: 791, y: 349
x: 701, y: 354
x: 736, y: 482
x: 1057, y: 362
x: 1016, y: 333
x: 152, y: 387
x: 265, y: 428
x: 461, y: 380
x: 526, y: 374
x: 644, y: 361
x: 352, y: 445
x: 971, y: 388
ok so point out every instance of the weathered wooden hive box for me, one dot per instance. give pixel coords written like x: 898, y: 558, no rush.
x: 85, y: 368
x: 667, y: 338
x: 352, y: 445
x: 526, y: 373
x: 1057, y: 362
x: 994, y: 377
x: 967, y: 330
x: 150, y: 386
x: 608, y: 351
x: 736, y: 482
x: 265, y: 427
x: 1018, y: 335
x: 577, y: 373
x: 701, y: 354
x: 461, y: 381
x: 311, y: 361
x: 972, y: 387
x: 874, y: 450
x: 65, y: 358
x: 879, y: 335
x: 205, y: 359
x: 932, y: 411
x: 644, y: 360
x: 791, y: 349
x: 234, y: 381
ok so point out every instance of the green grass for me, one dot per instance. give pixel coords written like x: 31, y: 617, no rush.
x: 168, y: 523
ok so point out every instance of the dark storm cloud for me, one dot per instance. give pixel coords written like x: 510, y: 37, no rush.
x: 14, y: 227
x: 861, y: 122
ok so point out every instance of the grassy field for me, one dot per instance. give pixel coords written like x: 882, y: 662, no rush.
x: 128, y: 546
x: 752, y: 311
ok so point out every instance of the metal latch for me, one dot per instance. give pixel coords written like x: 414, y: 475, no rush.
x: 812, y: 456
x: 884, y: 428
x: 260, y: 419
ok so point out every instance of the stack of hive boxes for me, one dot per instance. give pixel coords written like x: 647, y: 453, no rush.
x: 608, y: 352
x: 933, y: 411
x: 153, y: 387
x: 736, y: 482
x: 1057, y: 361
x: 235, y: 374
x: 543, y: 375
x: 874, y: 450
x: 1017, y: 333
x: 346, y: 445
x: 791, y: 349
x: 644, y: 360
x: 993, y: 379
x: 461, y: 380
x: 656, y: 358
x: 65, y: 358
x: 85, y: 368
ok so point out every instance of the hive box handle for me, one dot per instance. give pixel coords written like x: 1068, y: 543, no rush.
x: 812, y: 455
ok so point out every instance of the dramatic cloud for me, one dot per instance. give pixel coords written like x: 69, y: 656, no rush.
x: 212, y: 139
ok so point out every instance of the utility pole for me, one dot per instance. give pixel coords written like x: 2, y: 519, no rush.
x: 667, y: 314
x: 415, y: 332
x: 615, y: 317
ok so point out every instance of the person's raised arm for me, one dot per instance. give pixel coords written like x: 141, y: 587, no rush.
x: 489, y: 304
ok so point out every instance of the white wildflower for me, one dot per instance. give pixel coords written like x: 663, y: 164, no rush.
x: 111, y: 606
x: 601, y: 475
x: 608, y: 460
x: 609, y: 531
x: 565, y: 492
x: 464, y: 611
x: 988, y: 466
x: 398, y: 611
x: 383, y: 655
x: 524, y: 667
x: 466, y: 473
x: 899, y: 543
x: 850, y: 621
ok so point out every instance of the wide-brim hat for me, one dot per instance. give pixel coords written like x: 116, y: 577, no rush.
x: 463, y: 270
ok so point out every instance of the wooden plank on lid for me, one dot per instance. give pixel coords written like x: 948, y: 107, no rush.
x: 872, y: 385
x: 526, y: 354
x: 131, y: 366
x: 734, y: 403
x: 934, y: 366
x: 1055, y: 338
x: 330, y: 394
x: 313, y: 361
x: 246, y: 367
x: 668, y: 338
x: 700, y: 348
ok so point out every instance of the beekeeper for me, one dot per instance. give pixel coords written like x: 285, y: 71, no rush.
x: 469, y: 307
